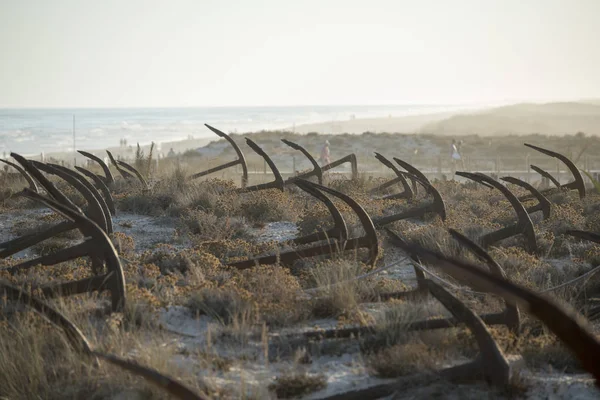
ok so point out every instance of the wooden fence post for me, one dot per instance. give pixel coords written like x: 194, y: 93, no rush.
x: 586, y: 163
x: 528, y: 168
x: 498, y: 165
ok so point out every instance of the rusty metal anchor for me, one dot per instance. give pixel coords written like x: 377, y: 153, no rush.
x: 73, y: 334
x: 523, y: 225
x: 510, y: 317
x: 591, y: 236
x: 81, y: 344
x: 407, y: 193
x: 368, y: 241
x: 97, y: 246
x: 491, y: 363
x: 100, y: 215
x: 108, y: 176
x: 100, y: 198
x: 546, y: 175
x: 168, y: 384
x: 277, y: 183
x: 126, y: 175
x: 137, y: 173
x: 241, y: 160
x: 101, y: 186
x: 411, y: 169
x: 578, y: 184
x: 491, y: 359
x: 316, y: 171
x: 15, y: 245
x: 350, y: 158
x: 339, y: 230
x: 48, y: 186
x: 32, y: 185
x: 543, y: 203
x: 437, y: 206
x: 565, y: 322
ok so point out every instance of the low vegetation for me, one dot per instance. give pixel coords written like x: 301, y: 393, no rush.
x: 192, y: 317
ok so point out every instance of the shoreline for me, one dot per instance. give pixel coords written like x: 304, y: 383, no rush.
x: 551, y: 119
x: 409, y: 124
x: 99, y: 129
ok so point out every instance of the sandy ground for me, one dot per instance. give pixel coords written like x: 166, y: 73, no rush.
x: 253, y: 373
x: 408, y: 124
x: 128, y: 152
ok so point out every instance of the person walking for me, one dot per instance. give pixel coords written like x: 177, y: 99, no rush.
x: 325, y: 154
x: 454, y: 156
x: 460, y: 153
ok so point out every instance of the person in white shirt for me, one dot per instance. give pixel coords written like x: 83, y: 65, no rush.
x: 325, y: 154
x: 455, y: 156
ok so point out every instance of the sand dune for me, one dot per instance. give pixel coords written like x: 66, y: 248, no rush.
x: 519, y: 119
x: 408, y: 124
x: 522, y: 119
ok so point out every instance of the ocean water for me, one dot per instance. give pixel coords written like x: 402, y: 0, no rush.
x: 33, y: 131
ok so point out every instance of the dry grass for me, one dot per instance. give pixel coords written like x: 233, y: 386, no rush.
x: 37, y: 362
x: 297, y: 384
x: 247, y: 305
x: 224, y: 305
x: 391, y: 325
x: 206, y: 226
x: 403, y: 359
x: 50, y: 246
x: 269, y: 206
x: 339, y: 292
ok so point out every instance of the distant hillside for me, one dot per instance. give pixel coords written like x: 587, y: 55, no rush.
x: 523, y: 119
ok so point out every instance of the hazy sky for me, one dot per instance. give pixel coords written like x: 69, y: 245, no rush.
x: 115, y: 53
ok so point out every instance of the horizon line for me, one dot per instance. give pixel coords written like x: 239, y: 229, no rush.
x: 458, y: 104
x: 238, y: 106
